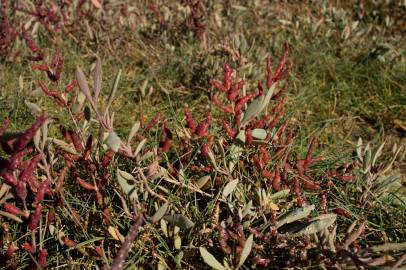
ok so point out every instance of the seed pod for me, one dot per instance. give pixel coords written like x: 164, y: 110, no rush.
x: 35, y: 217
x: 12, y: 209
x: 309, y: 185
x: 26, y: 137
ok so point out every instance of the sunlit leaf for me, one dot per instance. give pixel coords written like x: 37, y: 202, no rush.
x: 246, y: 250
x: 160, y: 213
x: 229, y: 188
x: 210, y: 260
x: 294, y: 215
x: 318, y: 224
x: 113, y: 141
x: 124, y: 179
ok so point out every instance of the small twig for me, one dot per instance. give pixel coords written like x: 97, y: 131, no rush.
x: 126, y: 246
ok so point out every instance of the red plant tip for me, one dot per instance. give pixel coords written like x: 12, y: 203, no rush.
x: 85, y: 184
x: 30, y: 168
x: 42, y: 258
x: 190, y: 122
x: 42, y: 189
x: 276, y: 182
x: 342, y: 212
x: 12, y: 209
x: 308, y: 159
x: 21, y: 190
x: 107, y: 158
x: 9, y: 179
x: 35, y: 218
x: 9, y: 253
x: 227, y: 79
x: 28, y: 247
x: 242, y: 101
x: 152, y: 122
x: 235, y: 90
x: 69, y: 88
x: 202, y: 130
x: 26, y: 137
x: 221, y: 105
x: 167, y: 139
x: 228, y: 129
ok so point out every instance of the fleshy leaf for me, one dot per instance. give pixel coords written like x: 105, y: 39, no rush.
x: 113, y: 141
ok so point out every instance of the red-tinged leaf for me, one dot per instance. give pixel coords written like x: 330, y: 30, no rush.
x: 28, y: 247
x: 35, y: 218
x: 281, y: 68
x: 308, y: 159
x: 26, y: 137
x: 269, y: 72
x: 152, y: 122
x: 51, y: 216
x: 202, y: 130
x: 76, y: 140
x: 216, y: 84
x: 40, y: 67
x: 221, y: 105
x: 68, y: 242
x: 227, y: 79
x: 190, y: 122
x: 167, y: 139
x: 85, y: 184
x: 12, y: 209
x: 309, y: 185
x: 264, y: 155
x: 21, y: 190
x: 9, y: 253
x: 235, y: 91
x: 223, y: 239
x: 107, y: 158
x: 242, y: 101
x: 342, y: 212
x: 42, y: 258
x: 257, y: 163
x: 267, y: 174
x: 276, y: 181
x: 30, y: 168
x: 42, y: 189
x: 346, y: 178
x: 16, y: 158
x: 57, y: 64
x: 9, y: 179
x: 230, y: 132
x: 69, y: 88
